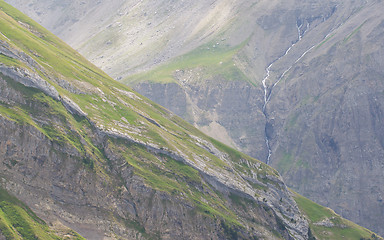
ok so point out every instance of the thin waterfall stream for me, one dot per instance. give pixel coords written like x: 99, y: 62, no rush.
x: 268, y: 89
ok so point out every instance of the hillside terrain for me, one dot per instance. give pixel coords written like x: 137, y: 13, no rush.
x: 82, y: 152
x: 298, y: 84
x: 17, y: 221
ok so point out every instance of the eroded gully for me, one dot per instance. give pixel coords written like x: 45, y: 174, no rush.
x: 268, y: 89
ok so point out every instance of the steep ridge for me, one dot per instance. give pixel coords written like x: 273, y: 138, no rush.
x: 218, y: 87
x: 348, y: 181
x: 84, y: 150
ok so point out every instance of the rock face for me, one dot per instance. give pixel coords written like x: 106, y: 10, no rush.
x: 325, y: 118
x: 321, y: 118
x: 320, y: 107
x: 75, y: 196
x: 111, y: 164
x: 227, y: 111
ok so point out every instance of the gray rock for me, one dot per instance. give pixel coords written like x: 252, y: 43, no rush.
x: 29, y: 79
x: 72, y: 107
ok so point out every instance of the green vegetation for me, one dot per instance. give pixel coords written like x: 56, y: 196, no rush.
x: 241, y: 201
x: 302, y: 164
x: 339, y: 228
x: 285, y: 162
x: 205, y: 61
x: 243, y: 162
x: 325, y: 40
x: 9, y: 61
x: 105, y: 106
x: 17, y: 221
x: 112, y: 107
x: 166, y: 174
x: 30, y: 37
x: 293, y: 120
x: 353, y: 33
x: 58, y: 126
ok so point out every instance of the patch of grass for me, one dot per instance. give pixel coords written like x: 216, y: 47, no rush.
x: 325, y: 40
x: 189, y: 174
x: 293, y: 120
x: 18, y: 115
x: 17, y: 221
x: 342, y: 229
x: 45, y: 48
x: 230, y: 231
x: 314, y: 211
x: 285, y: 163
x: 354, y: 32
x: 58, y: 125
x: 9, y: 61
x: 206, y: 60
x: 6, y: 197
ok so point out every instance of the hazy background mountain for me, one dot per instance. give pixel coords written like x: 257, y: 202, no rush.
x: 205, y: 60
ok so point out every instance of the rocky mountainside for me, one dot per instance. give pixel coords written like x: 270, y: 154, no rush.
x: 87, y: 153
x: 297, y: 84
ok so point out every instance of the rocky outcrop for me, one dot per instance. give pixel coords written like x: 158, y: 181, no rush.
x: 50, y: 178
x: 311, y: 119
x: 324, y: 91
x: 22, y: 75
x: 144, y: 175
x: 227, y: 111
x: 72, y: 107
x: 63, y: 190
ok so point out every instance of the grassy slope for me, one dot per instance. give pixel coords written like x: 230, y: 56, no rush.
x: 108, y: 104
x: 342, y: 229
x: 208, y: 61
x: 17, y: 221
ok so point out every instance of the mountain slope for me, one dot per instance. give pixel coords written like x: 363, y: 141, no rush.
x: 334, y: 109
x: 89, y: 152
x: 319, y: 107
x: 80, y: 148
x: 326, y: 224
x: 17, y: 221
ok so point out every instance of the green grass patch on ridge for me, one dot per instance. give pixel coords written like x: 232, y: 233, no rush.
x: 208, y: 60
x: 339, y: 229
x: 17, y: 221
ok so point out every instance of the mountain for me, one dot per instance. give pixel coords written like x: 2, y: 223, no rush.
x: 82, y: 152
x: 131, y: 162
x: 297, y: 84
x: 17, y: 221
